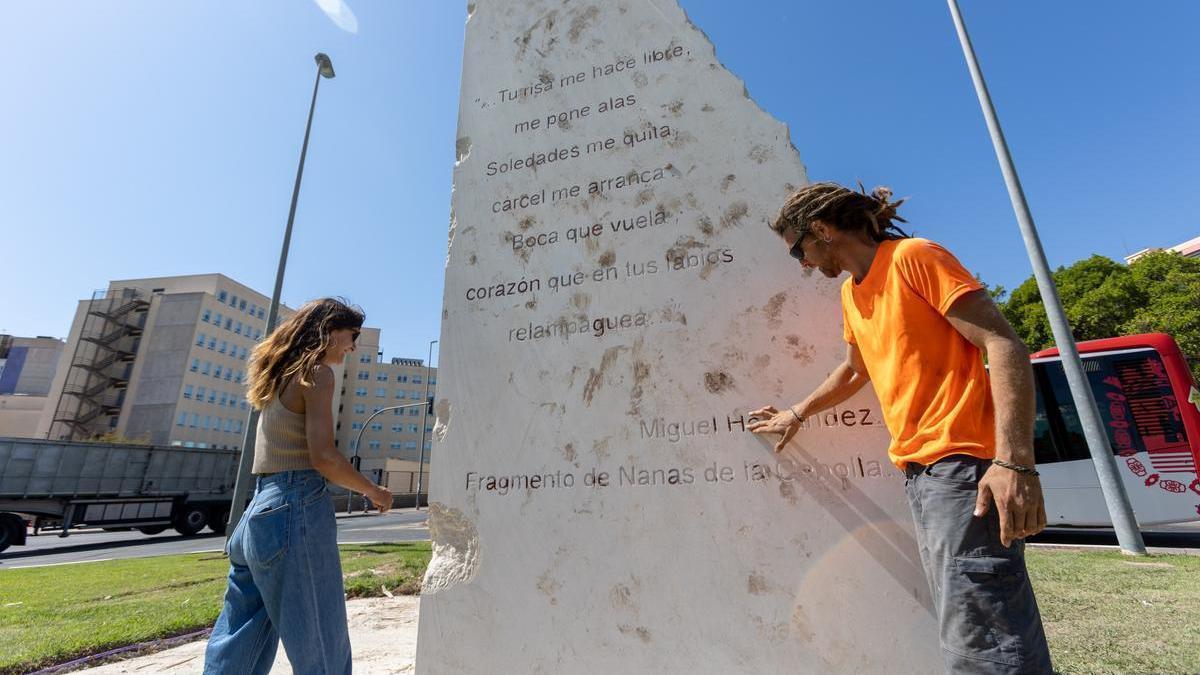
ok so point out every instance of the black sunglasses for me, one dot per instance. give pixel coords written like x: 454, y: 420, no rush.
x: 797, y: 249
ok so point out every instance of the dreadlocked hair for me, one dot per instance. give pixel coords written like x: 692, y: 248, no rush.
x: 843, y: 209
x: 297, y: 346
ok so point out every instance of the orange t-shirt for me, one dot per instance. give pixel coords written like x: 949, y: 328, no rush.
x: 929, y: 378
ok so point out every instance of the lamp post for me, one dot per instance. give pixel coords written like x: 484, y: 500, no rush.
x: 241, y: 485
x: 1117, y: 499
x: 424, y: 417
x: 358, y: 441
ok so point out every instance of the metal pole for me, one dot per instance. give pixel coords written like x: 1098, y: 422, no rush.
x: 1119, y: 508
x: 424, y: 417
x: 241, y: 486
x: 358, y: 436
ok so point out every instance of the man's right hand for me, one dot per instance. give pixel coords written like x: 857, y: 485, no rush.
x: 381, y: 497
x: 771, y: 421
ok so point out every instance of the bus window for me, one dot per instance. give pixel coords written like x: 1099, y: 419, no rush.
x: 1133, y: 395
x: 1045, y: 450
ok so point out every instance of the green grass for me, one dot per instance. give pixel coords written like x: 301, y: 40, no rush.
x: 1110, y: 613
x: 53, y: 614
x: 1104, y: 612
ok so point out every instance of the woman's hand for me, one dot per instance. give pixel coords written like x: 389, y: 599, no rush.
x: 381, y: 497
x: 771, y: 421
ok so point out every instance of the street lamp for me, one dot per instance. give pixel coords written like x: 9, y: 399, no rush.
x: 242, y: 484
x: 358, y: 443
x: 1116, y: 498
x: 424, y: 417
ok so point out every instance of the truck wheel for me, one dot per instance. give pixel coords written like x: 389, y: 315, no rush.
x: 216, y: 520
x: 190, y: 520
x: 11, y: 530
x: 153, y: 529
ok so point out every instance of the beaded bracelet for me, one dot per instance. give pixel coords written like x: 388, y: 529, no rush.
x: 1016, y: 467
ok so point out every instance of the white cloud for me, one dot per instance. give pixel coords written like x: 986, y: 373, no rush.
x: 339, y: 13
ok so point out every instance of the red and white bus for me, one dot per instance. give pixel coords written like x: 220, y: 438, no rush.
x: 1150, y: 406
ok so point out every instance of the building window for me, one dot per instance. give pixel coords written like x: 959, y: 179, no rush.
x: 397, y: 428
x: 395, y: 445
x: 364, y: 359
x: 245, y: 406
x: 228, y: 374
x: 397, y: 412
x: 364, y: 375
x: 212, y: 343
x: 195, y: 365
x: 212, y: 396
x: 414, y: 395
x: 237, y: 379
x: 260, y: 312
x: 410, y: 445
x: 224, y: 347
x: 374, y: 445
x: 416, y: 379
x: 217, y: 320
x: 217, y: 372
x: 237, y: 427
x: 207, y: 367
x: 200, y: 339
x: 402, y: 378
x: 206, y: 315
x: 361, y: 391
x: 381, y: 377
x: 413, y: 412
x: 376, y: 426
x: 243, y: 355
x: 359, y: 409
x: 381, y: 392
x: 433, y: 380
x: 182, y: 419
x: 412, y: 428
x: 400, y: 394
x: 200, y: 393
x: 187, y: 390
x: 224, y: 399
x: 233, y: 300
x: 356, y: 425
x: 237, y: 328
x: 428, y: 446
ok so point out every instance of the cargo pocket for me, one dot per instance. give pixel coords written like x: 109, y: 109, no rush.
x: 266, y: 535
x: 980, y: 604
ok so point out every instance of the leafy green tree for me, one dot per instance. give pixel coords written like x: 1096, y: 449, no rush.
x: 1159, y: 292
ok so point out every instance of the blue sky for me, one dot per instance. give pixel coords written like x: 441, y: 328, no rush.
x: 157, y: 138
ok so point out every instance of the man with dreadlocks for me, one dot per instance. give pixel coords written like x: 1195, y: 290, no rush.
x: 918, y: 326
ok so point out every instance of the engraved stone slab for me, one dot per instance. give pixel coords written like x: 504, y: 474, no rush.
x: 615, y: 304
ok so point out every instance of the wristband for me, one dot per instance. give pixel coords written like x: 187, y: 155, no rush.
x: 798, y: 416
x: 1029, y: 471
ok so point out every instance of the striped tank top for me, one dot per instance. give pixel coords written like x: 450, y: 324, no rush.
x: 281, y: 444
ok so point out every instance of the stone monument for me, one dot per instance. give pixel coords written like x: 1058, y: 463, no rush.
x: 615, y: 304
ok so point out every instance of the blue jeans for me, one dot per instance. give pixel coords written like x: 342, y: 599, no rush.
x: 986, y: 609
x: 285, y: 582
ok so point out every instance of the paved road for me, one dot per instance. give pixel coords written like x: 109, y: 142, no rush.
x: 91, y: 545
x: 1182, y: 538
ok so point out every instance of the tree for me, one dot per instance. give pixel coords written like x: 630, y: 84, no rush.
x: 1159, y: 292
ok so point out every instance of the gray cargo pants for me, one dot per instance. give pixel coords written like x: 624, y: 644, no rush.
x: 986, y: 611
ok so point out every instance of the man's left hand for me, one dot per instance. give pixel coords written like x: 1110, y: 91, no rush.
x: 1019, y: 504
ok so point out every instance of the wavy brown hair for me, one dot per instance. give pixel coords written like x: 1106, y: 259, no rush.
x: 843, y: 209
x: 297, y: 346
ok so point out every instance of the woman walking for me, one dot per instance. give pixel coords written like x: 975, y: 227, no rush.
x: 285, y: 577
